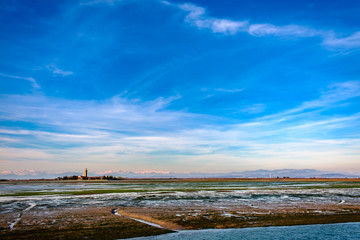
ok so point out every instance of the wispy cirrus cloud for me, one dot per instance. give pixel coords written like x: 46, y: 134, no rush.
x: 57, y: 71
x: 334, y: 93
x: 229, y: 90
x: 260, y: 30
x: 30, y: 79
x: 116, y: 113
x: 198, y: 17
x: 121, y: 132
x: 255, y: 108
x: 352, y: 41
x: 330, y: 97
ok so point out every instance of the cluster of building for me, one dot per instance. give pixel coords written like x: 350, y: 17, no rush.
x: 86, y: 177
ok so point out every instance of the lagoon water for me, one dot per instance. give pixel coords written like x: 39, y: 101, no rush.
x: 348, y: 231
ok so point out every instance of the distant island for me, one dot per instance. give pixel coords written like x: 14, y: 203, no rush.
x: 86, y: 177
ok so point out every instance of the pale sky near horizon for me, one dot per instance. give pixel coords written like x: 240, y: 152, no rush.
x: 180, y: 86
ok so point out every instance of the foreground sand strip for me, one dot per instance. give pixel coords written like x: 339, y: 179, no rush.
x: 147, y: 220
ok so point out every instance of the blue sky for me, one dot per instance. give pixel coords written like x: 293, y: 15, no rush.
x: 200, y: 86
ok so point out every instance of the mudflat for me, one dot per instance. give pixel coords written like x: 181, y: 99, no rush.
x: 77, y: 223
x: 124, y: 209
x: 101, y: 223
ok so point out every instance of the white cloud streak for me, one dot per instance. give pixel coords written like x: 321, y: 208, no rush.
x: 30, y: 79
x: 255, y: 108
x: 353, y: 41
x: 336, y: 92
x: 144, y: 135
x: 57, y: 71
x: 260, y: 30
x: 229, y: 90
x: 333, y: 94
x: 198, y: 17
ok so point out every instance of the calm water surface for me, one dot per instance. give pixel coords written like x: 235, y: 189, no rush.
x: 349, y: 231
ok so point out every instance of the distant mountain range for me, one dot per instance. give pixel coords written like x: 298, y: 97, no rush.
x: 292, y: 173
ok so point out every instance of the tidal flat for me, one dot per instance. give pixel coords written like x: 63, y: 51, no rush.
x: 141, y: 207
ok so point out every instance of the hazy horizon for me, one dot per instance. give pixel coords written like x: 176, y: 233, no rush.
x: 179, y: 86
x: 259, y: 173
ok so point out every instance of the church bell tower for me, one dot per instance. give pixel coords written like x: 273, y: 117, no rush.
x: 85, y: 173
